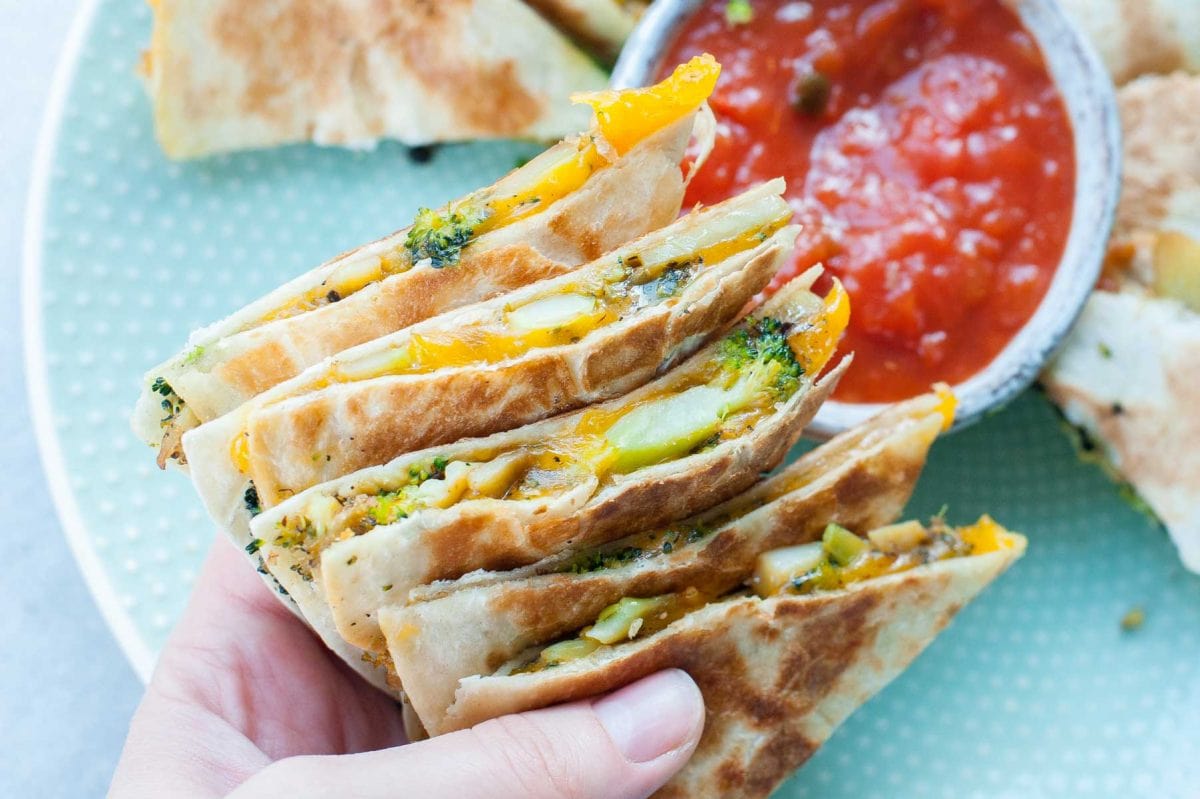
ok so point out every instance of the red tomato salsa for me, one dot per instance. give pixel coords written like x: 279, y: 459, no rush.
x: 927, y: 154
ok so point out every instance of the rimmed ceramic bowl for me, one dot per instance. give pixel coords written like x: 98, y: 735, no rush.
x: 1091, y: 104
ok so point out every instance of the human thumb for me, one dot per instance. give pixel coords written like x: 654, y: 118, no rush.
x: 621, y: 746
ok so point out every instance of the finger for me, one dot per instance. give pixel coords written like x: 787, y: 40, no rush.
x: 622, y: 746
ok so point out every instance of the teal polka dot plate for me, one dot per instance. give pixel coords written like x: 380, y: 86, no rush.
x: 1034, y: 691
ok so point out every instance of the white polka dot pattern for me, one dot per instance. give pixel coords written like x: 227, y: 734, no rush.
x: 1033, y: 692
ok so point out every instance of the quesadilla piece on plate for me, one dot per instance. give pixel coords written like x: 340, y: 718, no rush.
x: 581, y: 198
x: 550, y: 347
x: 227, y: 75
x: 1139, y: 37
x: 1126, y: 376
x: 601, y: 26
x: 449, y: 631
x: 684, y: 442
x: 829, y: 624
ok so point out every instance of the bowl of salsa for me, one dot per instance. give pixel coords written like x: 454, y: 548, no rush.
x: 955, y: 163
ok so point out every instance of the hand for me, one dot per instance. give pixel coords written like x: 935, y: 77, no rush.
x: 246, y: 702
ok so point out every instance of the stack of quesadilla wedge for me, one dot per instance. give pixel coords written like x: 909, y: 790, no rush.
x: 578, y: 200
x: 549, y: 347
x: 548, y: 479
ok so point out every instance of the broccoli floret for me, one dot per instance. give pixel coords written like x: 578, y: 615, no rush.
x: 598, y: 561
x: 251, y: 501
x: 764, y: 342
x: 441, y: 235
x: 392, y: 506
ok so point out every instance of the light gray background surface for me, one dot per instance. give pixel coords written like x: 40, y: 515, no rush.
x: 66, y: 690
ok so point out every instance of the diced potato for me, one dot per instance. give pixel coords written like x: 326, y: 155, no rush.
x: 557, y: 310
x: 373, y: 364
x: 1177, y: 268
x: 778, y: 567
x: 616, y: 622
x: 355, y: 274
x: 444, y: 492
x: 901, y: 537
x: 321, y: 511
x: 666, y: 428
x: 564, y: 651
x: 842, y: 546
x: 493, y: 478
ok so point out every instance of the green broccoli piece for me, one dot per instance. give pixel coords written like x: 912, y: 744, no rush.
x: 763, y: 341
x: 392, y: 506
x: 251, y: 501
x: 441, y: 235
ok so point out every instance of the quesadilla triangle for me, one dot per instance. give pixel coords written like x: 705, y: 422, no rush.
x: 686, y: 441
x: 828, y: 626
x: 551, y: 347
x: 453, y: 630
x: 585, y: 196
x: 226, y: 75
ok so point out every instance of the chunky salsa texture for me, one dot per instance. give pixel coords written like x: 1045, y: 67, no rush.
x: 928, y: 156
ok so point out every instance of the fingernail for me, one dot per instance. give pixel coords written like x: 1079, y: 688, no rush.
x: 653, y: 716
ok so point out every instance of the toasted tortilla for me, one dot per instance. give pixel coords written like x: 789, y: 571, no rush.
x: 227, y: 75
x: 325, y: 431
x: 601, y: 26
x: 777, y: 675
x: 449, y: 631
x: 1139, y: 37
x: 1127, y: 376
x: 239, y: 357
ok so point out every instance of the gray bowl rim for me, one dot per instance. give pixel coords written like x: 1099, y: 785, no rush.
x: 1090, y: 99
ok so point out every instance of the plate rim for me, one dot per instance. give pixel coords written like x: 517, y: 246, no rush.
x: 120, y: 623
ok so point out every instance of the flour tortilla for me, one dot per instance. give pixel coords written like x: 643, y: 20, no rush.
x: 777, y: 675
x: 229, y: 362
x: 1139, y: 37
x: 230, y: 75
x: 861, y: 479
